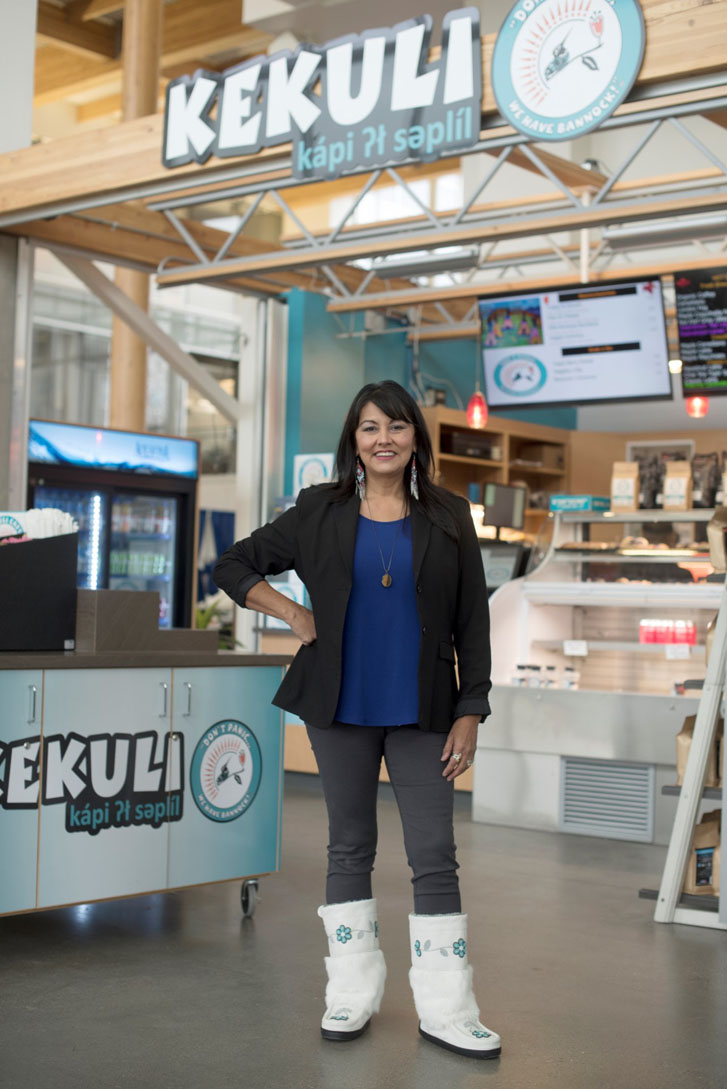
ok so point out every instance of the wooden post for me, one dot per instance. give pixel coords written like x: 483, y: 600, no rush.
x: 142, y: 40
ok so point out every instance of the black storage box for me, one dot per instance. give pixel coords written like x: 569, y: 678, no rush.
x: 38, y: 594
x: 467, y: 444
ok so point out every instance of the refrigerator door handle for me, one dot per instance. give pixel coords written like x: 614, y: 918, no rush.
x: 32, y: 703
x: 188, y: 712
x: 165, y: 689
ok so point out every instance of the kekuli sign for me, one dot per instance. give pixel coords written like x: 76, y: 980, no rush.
x: 359, y: 101
x: 561, y: 67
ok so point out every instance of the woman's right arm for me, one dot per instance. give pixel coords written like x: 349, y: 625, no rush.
x: 264, y: 598
x: 270, y: 550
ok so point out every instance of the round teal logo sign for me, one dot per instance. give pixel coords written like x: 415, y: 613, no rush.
x: 520, y: 375
x: 561, y: 67
x: 225, y: 771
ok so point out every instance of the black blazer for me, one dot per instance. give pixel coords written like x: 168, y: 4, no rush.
x: 316, y: 538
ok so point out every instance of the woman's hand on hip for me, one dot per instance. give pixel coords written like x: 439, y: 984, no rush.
x: 461, y: 742
x: 303, y: 624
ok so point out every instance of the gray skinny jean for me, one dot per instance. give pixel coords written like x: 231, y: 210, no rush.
x: 349, y: 759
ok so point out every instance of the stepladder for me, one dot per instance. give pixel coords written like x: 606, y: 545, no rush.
x: 710, y: 709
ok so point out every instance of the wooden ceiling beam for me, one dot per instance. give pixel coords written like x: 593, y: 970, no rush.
x: 670, y: 23
x: 192, y: 33
x: 423, y: 296
x: 105, y: 242
x: 58, y: 75
x: 719, y: 117
x: 108, y: 106
x: 192, y: 28
x: 94, y: 9
x: 476, y: 232
x: 571, y: 174
x: 134, y: 216
x: 55, y: 27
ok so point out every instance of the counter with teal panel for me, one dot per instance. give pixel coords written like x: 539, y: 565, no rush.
x: 136, y: 771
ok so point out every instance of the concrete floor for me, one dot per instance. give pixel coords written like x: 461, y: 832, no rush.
x: 178, y: 991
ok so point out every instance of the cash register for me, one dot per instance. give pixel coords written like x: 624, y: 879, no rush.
x: 504, y: 509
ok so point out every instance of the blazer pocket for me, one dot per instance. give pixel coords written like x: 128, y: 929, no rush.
x: 446, y: 650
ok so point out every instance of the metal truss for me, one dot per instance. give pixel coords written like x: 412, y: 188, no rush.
x: 582, y: 204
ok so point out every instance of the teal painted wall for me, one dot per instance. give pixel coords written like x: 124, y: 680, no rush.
x: 387, y: 356
x: 324, y: 374
x: 460, y: 362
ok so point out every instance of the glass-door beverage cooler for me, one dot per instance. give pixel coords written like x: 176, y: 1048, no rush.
x: 134, y: 497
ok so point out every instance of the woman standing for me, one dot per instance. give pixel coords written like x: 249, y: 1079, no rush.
x: 395, y: 578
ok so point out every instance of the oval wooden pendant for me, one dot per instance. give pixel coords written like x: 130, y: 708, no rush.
x: 386, y: 579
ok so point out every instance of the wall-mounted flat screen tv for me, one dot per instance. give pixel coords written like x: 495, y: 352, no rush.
x: 576, y: 345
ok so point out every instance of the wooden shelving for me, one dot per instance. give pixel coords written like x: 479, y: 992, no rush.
x: 518, y: 467
x: 509, y: 439
x: 458, y: 459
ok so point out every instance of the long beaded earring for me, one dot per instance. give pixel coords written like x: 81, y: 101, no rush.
x: 413, y: 485
x: 360, y: 479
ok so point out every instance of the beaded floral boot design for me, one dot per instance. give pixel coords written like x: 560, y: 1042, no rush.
x: 355, y: 967
x: 441, y: 980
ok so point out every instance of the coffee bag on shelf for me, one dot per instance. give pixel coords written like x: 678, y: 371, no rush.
x: 678, y: 486
x: 684, y: 742
x: 625, y: 486
x: 703, y: 868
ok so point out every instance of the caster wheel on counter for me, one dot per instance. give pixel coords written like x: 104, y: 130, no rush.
x: 249, y: 897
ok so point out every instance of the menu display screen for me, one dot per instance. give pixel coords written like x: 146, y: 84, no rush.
x: 701, y: 297
x: 575, y: 345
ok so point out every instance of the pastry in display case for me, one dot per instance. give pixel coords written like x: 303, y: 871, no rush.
x: 623, y: 597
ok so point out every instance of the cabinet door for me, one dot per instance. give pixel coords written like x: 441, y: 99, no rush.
x: 231, y: 738
x: 108, y: 780
x: 20, y: 709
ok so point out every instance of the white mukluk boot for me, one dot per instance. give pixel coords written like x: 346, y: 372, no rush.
x: 355, y: 967
x: 441, y: 980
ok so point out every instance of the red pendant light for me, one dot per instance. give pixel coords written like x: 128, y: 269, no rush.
x: 697, y: 407
x: 477, y: 409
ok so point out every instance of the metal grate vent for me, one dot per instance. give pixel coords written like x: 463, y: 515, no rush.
x: 605, y: 798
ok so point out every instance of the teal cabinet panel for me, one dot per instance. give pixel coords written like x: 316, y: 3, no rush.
x: 21, y: 693
x: 230, y: 739
x: 110, y: 784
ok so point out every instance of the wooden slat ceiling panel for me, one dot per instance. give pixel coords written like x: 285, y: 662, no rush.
x: 87, y: 39
x: 196, y: 31
x: 193, y: 34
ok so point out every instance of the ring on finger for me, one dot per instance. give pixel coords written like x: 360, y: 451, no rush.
x: 456, y: 756
x: 470, y: 763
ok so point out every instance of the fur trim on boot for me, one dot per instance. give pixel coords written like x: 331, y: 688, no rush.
x: 441, y: 981
x: 356, y: 968
x: 354, y: 992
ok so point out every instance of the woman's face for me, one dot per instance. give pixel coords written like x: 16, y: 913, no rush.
x: 385, y: 446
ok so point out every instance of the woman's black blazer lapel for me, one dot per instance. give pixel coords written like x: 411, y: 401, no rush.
x: 346, y: 519
x: 421, y: 529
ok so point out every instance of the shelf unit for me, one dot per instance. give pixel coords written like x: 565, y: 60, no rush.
x: 507, y: 439
x: 623, y: 646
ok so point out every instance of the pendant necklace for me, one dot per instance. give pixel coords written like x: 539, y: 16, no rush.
x: 386, y: 579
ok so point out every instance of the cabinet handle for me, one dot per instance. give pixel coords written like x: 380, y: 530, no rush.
x: 165, y: 688
x: 32, y: 702
x: 188, y: 712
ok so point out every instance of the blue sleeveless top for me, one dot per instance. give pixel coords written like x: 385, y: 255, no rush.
x: 380, y: 654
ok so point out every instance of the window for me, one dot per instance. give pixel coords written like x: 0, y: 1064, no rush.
x: 70, y: 375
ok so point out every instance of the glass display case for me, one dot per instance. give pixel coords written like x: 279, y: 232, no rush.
x: 621, y: 599
x: 599, y: 652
